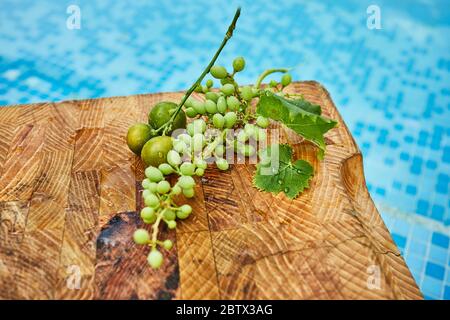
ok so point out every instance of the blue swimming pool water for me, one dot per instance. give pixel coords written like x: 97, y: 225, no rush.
x: 391, y: 85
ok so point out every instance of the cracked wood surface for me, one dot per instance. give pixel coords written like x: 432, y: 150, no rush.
x: 70, y: 193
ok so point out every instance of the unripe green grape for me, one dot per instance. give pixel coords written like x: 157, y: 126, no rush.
x: 199, y: 172
x: 233, y: 103
x: 169, y: 215
x: 273, y: 83
x: 145, y: 183
x: 151, y: 201
x: 200, y: 163
x: 163, y: 187
x: 171, y: 224
x: 190, y: 129
x: 250, y: 130
x: 247, y: 93
x: 221, y: 105
x: 179, y: 146
x: 191, y: 113
x: 165, y: 168
x: 218, y: 72
x: 262, y: 122
x: 141, y: 236
x: 155, y: 259
x: 218, y: 121
x: 154, y: 174
x: 230, y: 119
x: 199, y: 125
x: 239, y: 64
x: 198, y: 141
x: 205, y: 89
x: 286, y: 79
x: 146, y: 193
x: 184, y: 211
x: 186, y: 182
x: 147, y: 213
x: 152, y: 187
x: 209, y: 83
x: 189, y: 193
x: 242, y: 136
x: 187, y: 169
x: 210, y: 106
x: 198, y: 106
x: 211, y: 96
x: 222, y: 164
x: 227, y: 89
x: 167, y: 244
x: 173, y: 158
x: 225, y: 81
x: 176, y: 189
x: 186, y: 138
x: 219, y: 151
x: 150, y: 220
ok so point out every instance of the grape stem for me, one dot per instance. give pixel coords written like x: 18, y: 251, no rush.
x: 167, y: 126
x: 266, y: 73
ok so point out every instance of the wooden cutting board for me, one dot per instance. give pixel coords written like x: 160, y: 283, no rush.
x: 70, y: 193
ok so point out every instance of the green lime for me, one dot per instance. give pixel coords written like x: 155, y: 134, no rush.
x: 161, y: 114
x: 155, y: 150
x: 138, y: 135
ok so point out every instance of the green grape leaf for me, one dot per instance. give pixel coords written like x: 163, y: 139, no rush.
x: 299, y: 115
x: 278, y: 173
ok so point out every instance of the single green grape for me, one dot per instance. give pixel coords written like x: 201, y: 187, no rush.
x: 141, y: 236
x: 262, y: 122
x: 238, y: 64
x: 209, y: 83
x: 198, y: 106
x: 176, y: 190
x: 173, y: 158
x: 247, y: 93
x: 199, y: 172
x: 199, y: 126
x: 242, y: 136
x: 200, y: 163
x: 227, y: 89
x: 190, y: 129
x: 186, y: 209
x: 171, y: 224
x: 147, y: 213
x: 233, y: 103
x: 218, y: 121
x: 191, y: 113
x: 250, y: 130
x: 154, y: 174
x: 187, y: 169
x: 152, y: 187
x: 166, y: 168
x: 222, y: 164
x: 273, y: 83
x: 221, y: 105
x: 286, y: 79
x: 163, y: 187
x: 146, y: 193
x: 198, y: 141
x: 186, y: 138
x: 179, y: 146
x: 218, y: 72
x: 210, y: 106
x: 212, y: 96
x: 186, y: 182
x: 188, y: 102
x: 219, y: 151
x: 155, y: 259
x: 198, y: 88
x: 182, y: 215
x: 225, y: 81
x: 151, y: 201
x: 169, y: 215
x: 230, y: 119
x: 189, y: 193
x: 167, y: 244
x: 146, y: 183
x: 205, y: 89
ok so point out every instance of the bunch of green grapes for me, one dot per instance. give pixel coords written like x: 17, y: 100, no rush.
x: 222, y: 121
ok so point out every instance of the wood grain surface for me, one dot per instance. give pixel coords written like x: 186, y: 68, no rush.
x: 70, y: 193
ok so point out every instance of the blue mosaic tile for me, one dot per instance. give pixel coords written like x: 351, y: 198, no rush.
x: 440, y: 239
x: 399, y: 240
x: 435, y: 271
